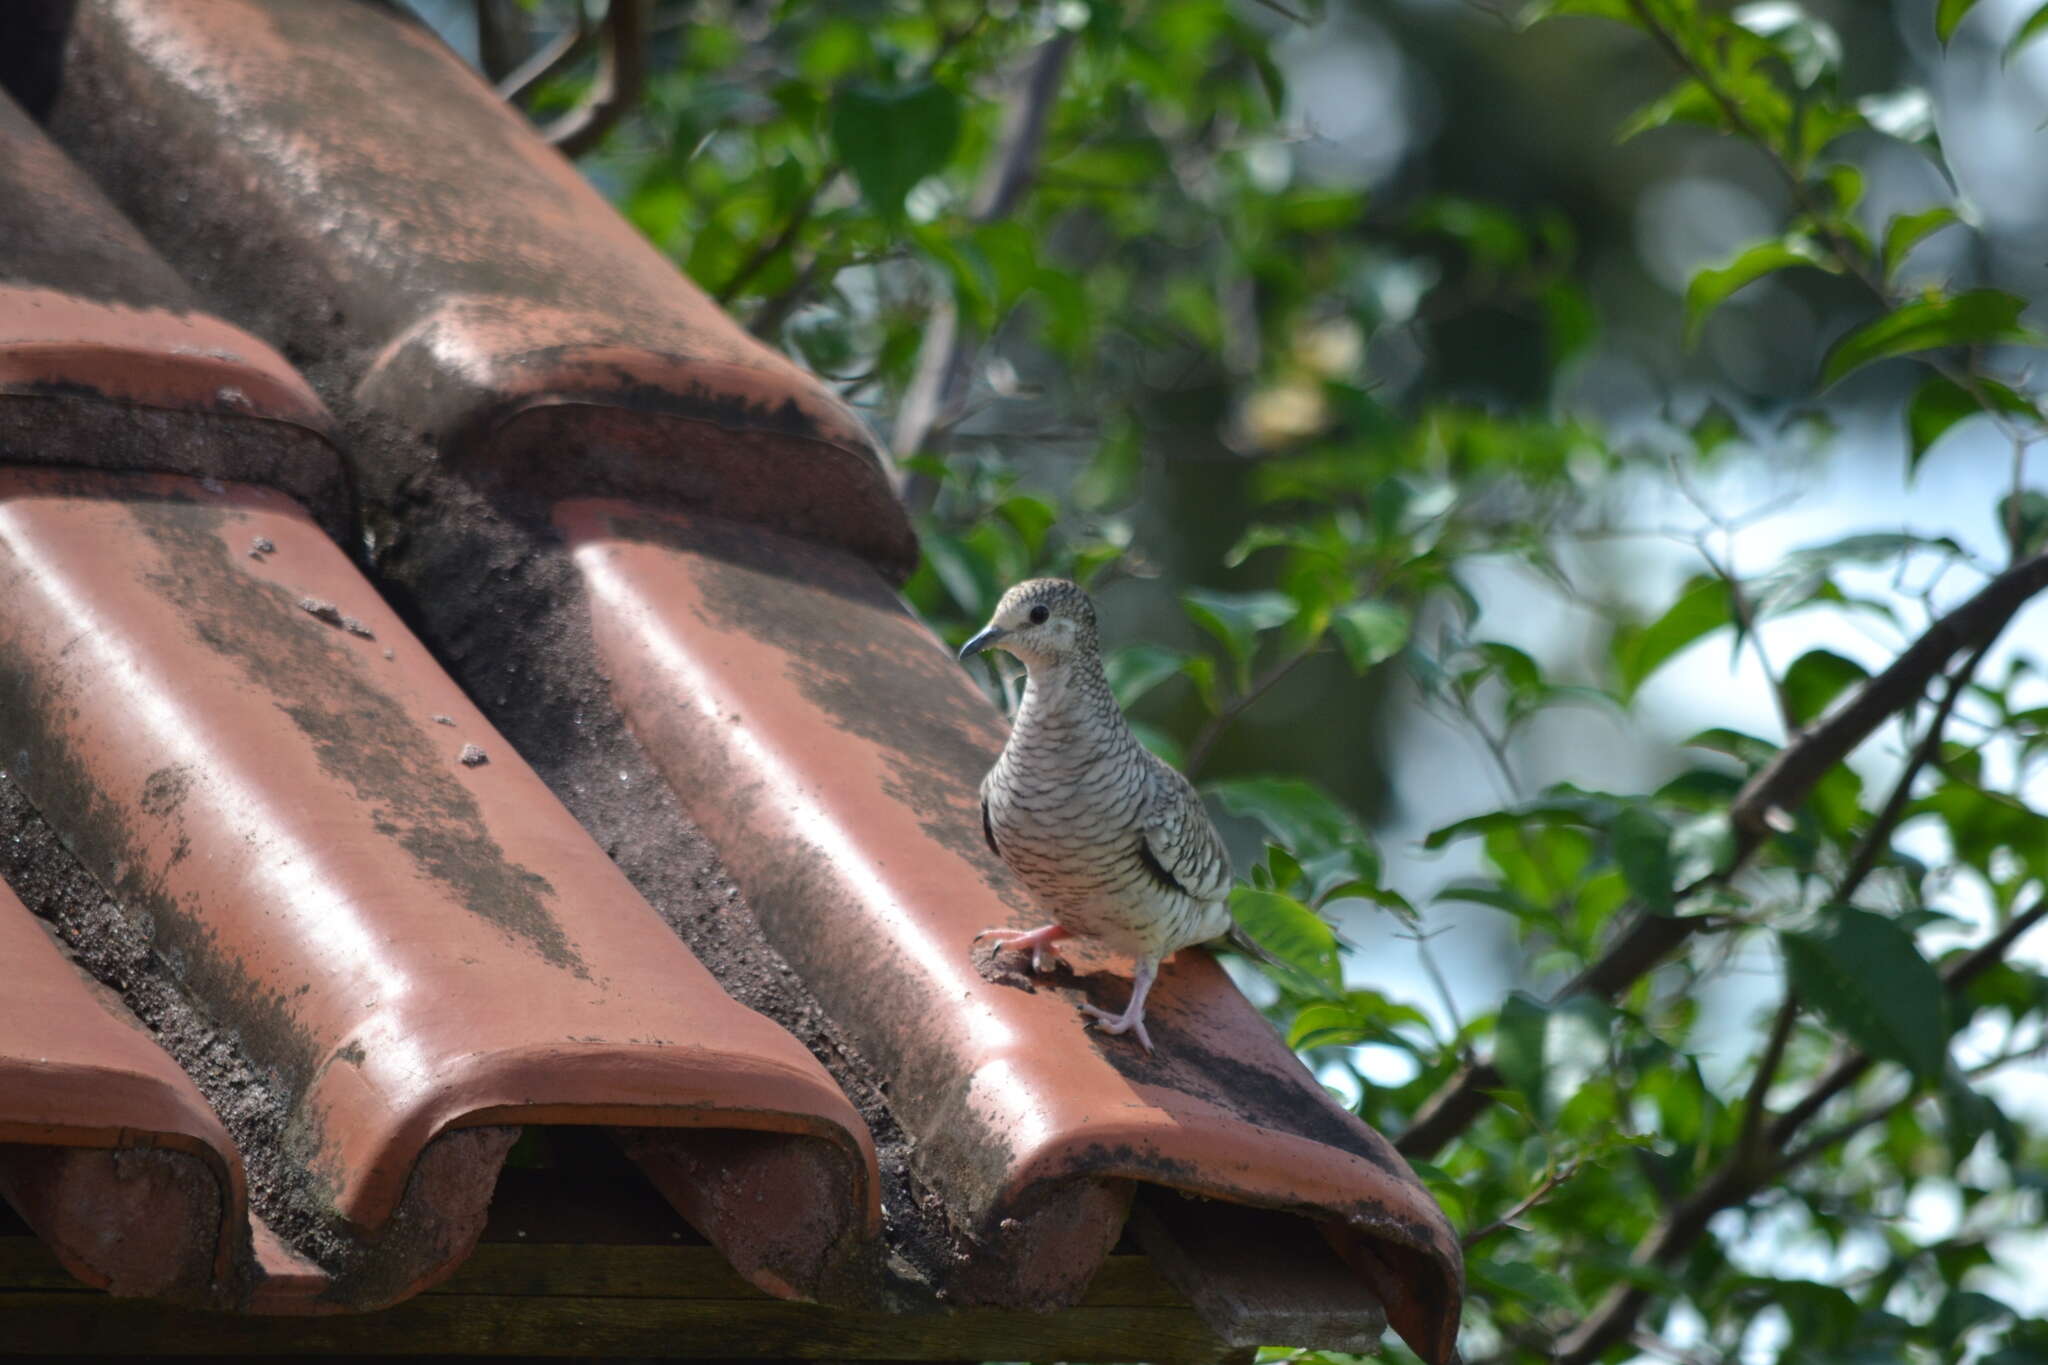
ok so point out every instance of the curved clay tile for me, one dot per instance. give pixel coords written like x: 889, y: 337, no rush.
x: 91, y: 316
x: 390, y: 206
x: 341, y: 861
x: 833, y: 751
x: 106, y: 1147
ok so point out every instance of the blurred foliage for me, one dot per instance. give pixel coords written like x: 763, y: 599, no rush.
x: 1310, y: 405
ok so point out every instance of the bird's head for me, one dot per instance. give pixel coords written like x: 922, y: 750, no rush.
x: 1041, y: 621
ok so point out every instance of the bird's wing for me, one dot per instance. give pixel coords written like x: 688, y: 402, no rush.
x: 988, y: 830
x: 1179, y: 846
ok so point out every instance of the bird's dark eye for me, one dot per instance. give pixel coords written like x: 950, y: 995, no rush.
x: 1038, y: 614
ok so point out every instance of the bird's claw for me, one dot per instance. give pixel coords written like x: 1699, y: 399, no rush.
x: 1039, y: 941
x: 1119, y: 1023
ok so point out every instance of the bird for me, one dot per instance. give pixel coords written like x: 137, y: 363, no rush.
x: 1108, y: 837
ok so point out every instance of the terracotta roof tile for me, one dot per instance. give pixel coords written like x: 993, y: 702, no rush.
x: 115, y: 1157
x: 488, y: 297
x: 89, y: 312
x: 241, y: 744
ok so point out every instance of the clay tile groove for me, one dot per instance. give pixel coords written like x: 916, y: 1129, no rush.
x: 106, y: 1147
x: 340, y: 859
x: 366, y: 198
x: 107, y: 359
x: 833, y: 751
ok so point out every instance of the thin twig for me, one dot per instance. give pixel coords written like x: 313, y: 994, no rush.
x: 546, y: 61
x: 2015, y: 522
x: 767, y: 251
x: 1198, y: 751
x: 1557, y: 1176
x: 769, y: 317
x: 1436, y: 977
x: 1748, y: 1142
x: 1739, y: 604
x: 621, y: 75
x: 1652, y: 1344
x: 1878, y: 836
x: 932, y: 403
x: 501, y: 34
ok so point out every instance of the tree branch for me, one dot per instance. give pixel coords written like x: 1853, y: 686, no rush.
x: 1536, y: 1196
x: 621, y: 74
x: 503, y: 31
x: 944, y: 359
x: 1878, y: 836
x: 1783, y: 783
x: 545, y: 62
x: 1749, y: 1142
x: 767, y: 251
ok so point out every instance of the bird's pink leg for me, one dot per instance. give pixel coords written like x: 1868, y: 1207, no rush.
x: 1132, y: 1020
x: 1040, y: 941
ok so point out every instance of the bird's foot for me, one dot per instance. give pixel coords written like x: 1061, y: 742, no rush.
x: 1040, y: 941
x: 1130, y: 1021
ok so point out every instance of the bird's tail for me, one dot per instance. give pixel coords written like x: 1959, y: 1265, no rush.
x: 1244, y: 943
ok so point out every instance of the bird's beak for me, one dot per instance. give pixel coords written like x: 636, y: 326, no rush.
x: 982, y: 641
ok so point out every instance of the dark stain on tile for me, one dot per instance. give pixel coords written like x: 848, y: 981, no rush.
x: 362, y: 736
x: 859, y: 659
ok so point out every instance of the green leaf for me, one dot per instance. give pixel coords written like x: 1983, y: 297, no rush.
x: 1032, y: 517
x: 1981, y: 316
x: 1691, y: 102
x: 966, y: 575
x: 1874, y: 548
x: 2024, y: 523
x: 1518, y: 1045
x: 1236, y: 618
x: 1361, y: 1016
x: 1290, y: 931
x: 893, y: 137
x: 1536, y: 1287
x: 1549, y: 1054
x: 1942, y: 404
x: 1370, y: 632
x: 1815, y: 679
x: 1908, y: 230
x: 1539, y: 10
x: 1981, y: 823
x: 1135, y: 670
x: 1809, y: 48
x: 1569, y: 319
x: 1948, y: 14
x: 1111, y: 478
x: 2031, y: 28
x: 1642, y: 849
x: 1298, y: 815
x: 1938, y: 404
x: 1867, y: 978
x: 1494, y: 896
x: 1702, y: 608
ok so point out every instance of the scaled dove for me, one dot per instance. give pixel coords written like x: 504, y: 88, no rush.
x: 1111, y: 840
